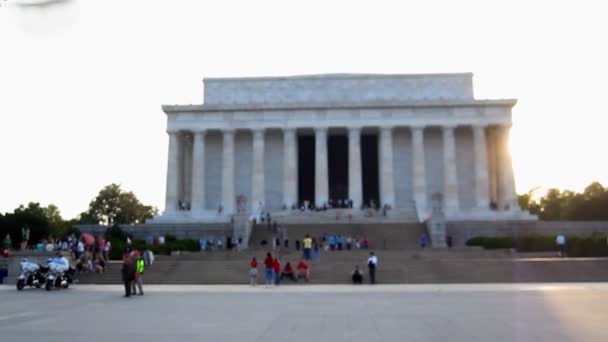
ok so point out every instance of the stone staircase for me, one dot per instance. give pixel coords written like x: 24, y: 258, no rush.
x: 331, y: 216
x: 428, y: 266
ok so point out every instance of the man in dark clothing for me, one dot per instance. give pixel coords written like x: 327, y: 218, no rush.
x: 128, y: 274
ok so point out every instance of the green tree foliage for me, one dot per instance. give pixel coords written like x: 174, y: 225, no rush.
x: 115, y: 206
x: 32, y: 216
x: 590, y: 205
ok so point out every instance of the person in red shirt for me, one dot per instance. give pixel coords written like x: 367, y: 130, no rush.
x: 303, y: 270
x: 269, y: 265
x: 277, y: 271
x: 253, y: 272
x: 288, y: 272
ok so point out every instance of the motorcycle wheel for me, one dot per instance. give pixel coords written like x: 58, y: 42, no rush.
x: 20, y: 284
x: 49, y: 285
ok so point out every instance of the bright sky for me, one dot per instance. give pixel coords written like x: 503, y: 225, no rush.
x: 82, y: 82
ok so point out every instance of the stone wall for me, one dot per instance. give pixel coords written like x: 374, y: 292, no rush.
x: 180, y: 231
x: 273, y: 169
x: 213, y: 170
x: 337, y: 88
x: 462, y: 231
x: 433, y: 155
x: 243, y: 163
x: 465, y: 161
x: 402, y: 165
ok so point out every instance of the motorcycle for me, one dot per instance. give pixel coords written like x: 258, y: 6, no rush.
x: 32, y: 275
x: 60, y: 274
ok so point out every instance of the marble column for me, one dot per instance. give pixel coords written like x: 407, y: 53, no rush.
x: 172, y: 191
x: 228, y: 197
x: 387, y: 178
x: 450, y: 183
x: 290, y: 167
x: 257, y: 181
x: 355, y: 180
x: 198, y: 173
x: 482, y: 192
x: 419, y: 169
x: 321, y: 174
x: 507, y: 179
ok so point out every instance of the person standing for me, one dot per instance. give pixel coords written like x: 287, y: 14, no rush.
x: 253, y: 272
x: 560, y: 240
x: 276, y: 265
x: 372, y: 264
x: 269, y: 269
x: 307, y: 247
x: 25, y: 237
x: 128, y: 274
x: 139, y: 272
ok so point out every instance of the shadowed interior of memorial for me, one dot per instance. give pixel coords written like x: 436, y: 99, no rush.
x: 369, y: 168
x: 337, y: 154
x: 306, y: 168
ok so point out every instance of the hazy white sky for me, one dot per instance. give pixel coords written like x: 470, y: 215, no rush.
x: 81, y: 83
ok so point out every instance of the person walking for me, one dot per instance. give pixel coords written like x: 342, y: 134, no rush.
x: 128, y: 274
x: 253, y: 272
x: 372, y: 264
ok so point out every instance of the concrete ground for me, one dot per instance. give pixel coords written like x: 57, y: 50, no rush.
x: 490, y: 312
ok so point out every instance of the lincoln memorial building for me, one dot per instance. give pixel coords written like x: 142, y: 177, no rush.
x: 348, y: 140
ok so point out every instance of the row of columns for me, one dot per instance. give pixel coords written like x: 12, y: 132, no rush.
x: 386, y: 169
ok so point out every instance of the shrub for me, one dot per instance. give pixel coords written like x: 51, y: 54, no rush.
x: 594, y: 245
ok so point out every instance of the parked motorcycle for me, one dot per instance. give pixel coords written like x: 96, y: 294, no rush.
x: 32, y: 275
x: 60, y: 274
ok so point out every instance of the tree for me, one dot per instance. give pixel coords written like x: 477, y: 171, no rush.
x: 591, y: 204
x: 58, y: 228
x: 115, y: 206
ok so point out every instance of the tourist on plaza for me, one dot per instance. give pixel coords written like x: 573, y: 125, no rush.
x: 340, y: 241
x: 276, y: 267
x: 128, y: 274
x: 424, y: 240
x: 349, y: 242
x: 269, y: 269
x: 357, y: 275
x: 307, y: 247
x: 25, y: 236
x: 7, y: 242
x: 332, y: 242
x: 303, y: 270
x: 560, y: 240
x: 288, y: 272
x: 316, y: 251
x: 139, y: 272
x: 372, y: 264
x: 106, y: 250
x: 79, y: 249
x: 253, y: 272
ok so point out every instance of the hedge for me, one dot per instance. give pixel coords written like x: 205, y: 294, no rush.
x: 120, y: 246
x: 594, y: 245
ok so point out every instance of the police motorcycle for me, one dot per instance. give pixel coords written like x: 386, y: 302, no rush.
x: 32, y: 274
x: 60, y: 274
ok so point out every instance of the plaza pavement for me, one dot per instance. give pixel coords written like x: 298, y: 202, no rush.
x: 462, y: 312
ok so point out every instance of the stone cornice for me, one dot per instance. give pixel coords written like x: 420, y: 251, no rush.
x: 334, y: 76
x: 172, y: 109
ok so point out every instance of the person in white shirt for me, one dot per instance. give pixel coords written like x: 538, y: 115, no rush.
x: 372, y: 263
x: 560, y: 240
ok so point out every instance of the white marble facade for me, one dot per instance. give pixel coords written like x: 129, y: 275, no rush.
x: 433, y: 137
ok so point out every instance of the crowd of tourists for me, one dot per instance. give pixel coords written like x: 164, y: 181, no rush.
x: 275, y: 272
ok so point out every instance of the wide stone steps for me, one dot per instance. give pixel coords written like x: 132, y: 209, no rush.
x: 403, y: 267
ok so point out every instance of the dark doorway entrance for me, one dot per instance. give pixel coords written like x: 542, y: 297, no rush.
x: 369, y: 168
x: 337, y: 155
x: 306, y: 169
